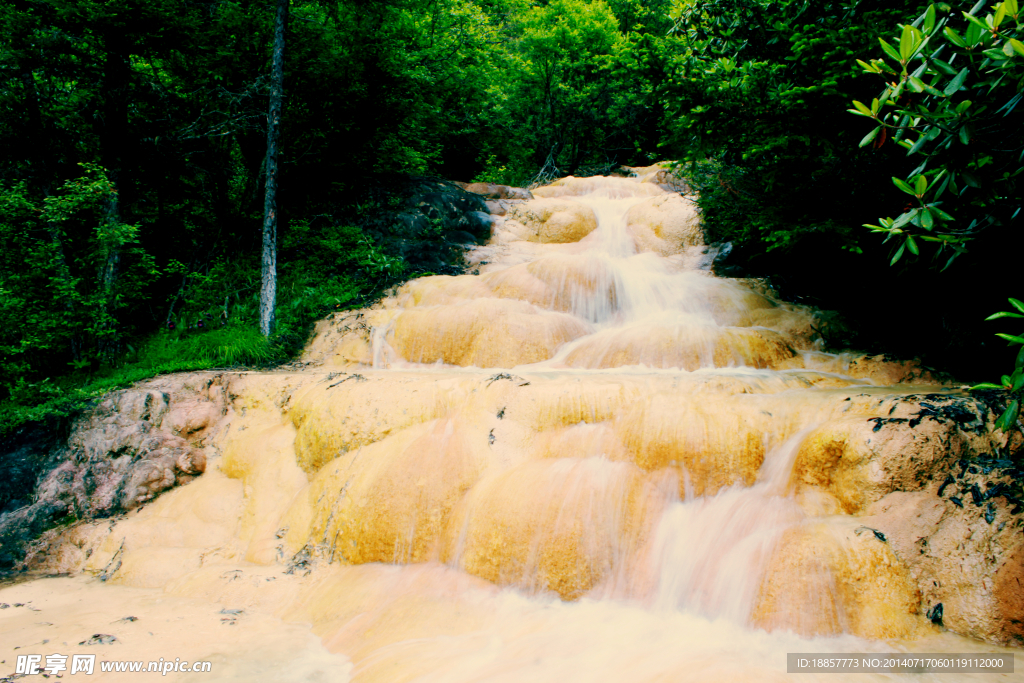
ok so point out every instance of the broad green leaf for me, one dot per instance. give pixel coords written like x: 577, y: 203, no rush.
x: 976, y: 21
x: 907, y: 43
x: 927, y: 222
x: 986, y: 385
x: 867, y: 139
x: 1000, y: 15
x: 1017, y: 304
x: 971, y: 179
x: 1011, y: 7
x: 1004, y: 314
x: 889, y: 49
x: 974, y: 33
x: 1010, y: 338
x: 899, y: 253
x: 942, y: 67
x: 956, y: 83
x: 916, y: 147
x: 954, y: 37
x: 929, y: 19
x: 965, y: 136
x: 1018, y: 46
x: 1009, y: 417
x: 902, y: 184
x: 1018, y: 380
x: 862, y: 108
x: 920, y: 185
x: 912, y: 245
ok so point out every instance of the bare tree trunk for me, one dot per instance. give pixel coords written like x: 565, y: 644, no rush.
x: 268, y: 270
x: 108, y: 345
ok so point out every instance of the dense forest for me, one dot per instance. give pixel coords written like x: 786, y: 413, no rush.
x: 133, y: 139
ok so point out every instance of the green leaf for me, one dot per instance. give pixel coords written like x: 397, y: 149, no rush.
x: 954, y: 37
x: 956, y: 83
x: 942, y: 67
x: 889, y: 50
x: 903, y: 186
x: 976, y: 21
x: 965, y: 136
x: 1009, y: 417
x: 1010, y: 338
x: 929, y: 19
x: 866, y: 140
x: 912, y: 245
x: 927, y: 222
x: 920, y: 185
x: 1004, y: 314
x: 1011, y: 7
x: 986, y: 385
x: 862, y: 108
x: 971, y: 179
x: 899, y: 253
x: 908, y: 43
x: 1018, y: 46
x: 1018, y: 304
x: 1018, y: 380
x: 1000, y: 15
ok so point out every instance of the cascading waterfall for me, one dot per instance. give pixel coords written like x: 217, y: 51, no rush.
x: 590, y: 460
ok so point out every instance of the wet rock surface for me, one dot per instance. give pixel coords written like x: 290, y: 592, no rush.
x: 121, y: 454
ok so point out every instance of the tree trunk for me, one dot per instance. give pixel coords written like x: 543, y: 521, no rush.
x: 268, y: 269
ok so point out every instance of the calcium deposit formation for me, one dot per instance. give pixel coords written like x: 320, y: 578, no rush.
x: 589, y: 460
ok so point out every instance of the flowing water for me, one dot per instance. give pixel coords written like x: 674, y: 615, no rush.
x: 590, y: 460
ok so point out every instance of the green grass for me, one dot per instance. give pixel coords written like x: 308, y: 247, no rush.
x: 236, y: 345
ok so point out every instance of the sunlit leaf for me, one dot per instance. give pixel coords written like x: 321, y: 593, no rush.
x: 902, y: 184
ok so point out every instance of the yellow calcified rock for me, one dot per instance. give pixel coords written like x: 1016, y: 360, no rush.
x: 713, y: 439
x: 795, y: 322
x: 344, y: 339
x: 836, y: 576
x: 581, y: 441
x: 552, y: 220
x: 561, y: 525
x: 338, y: 414
x: 569, y: 401
x: 860, y: 459
x: 580, y: 284
x: 689, y: 347
x: 665, y: 224
x: 615, y: 188
x: 438, y: 290
x: 390, y: 501
x: 485, y: 333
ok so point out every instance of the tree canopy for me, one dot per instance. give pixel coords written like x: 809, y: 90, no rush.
x: 133, y: 137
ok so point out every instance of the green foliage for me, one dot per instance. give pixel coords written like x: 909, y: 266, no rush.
x: 954, y: 80
x: 54, y: 309
x: 751, y: 95
x: 1012, y: 384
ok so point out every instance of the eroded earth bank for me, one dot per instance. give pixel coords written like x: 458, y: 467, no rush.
x: 589, y: 459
